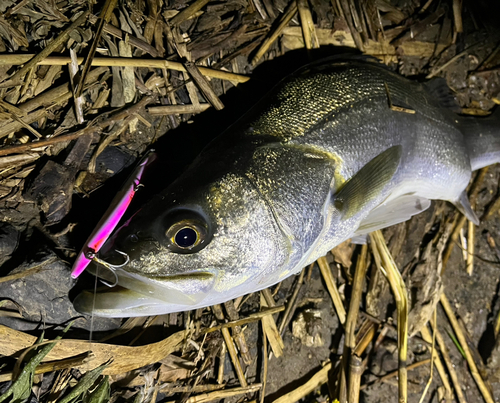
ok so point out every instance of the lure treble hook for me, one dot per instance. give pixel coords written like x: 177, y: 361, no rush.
x: 111, y: 267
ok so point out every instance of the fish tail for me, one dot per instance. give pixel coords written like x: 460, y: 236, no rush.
x: 482, y: 138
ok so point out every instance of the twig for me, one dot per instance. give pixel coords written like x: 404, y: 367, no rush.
x: 470, y: 247
x: 491, y: 209
x: 52, y: 366
x: 132, y: 40
x: 167, y: 388
x: 400, y: 295
x: 266, y: 362
x: 188, y: 12
x: 222, y: 363
x: 203, y: 85
x: 435, y: 361
x: 463, y: 342
x: 346, y: 9
x: 438, y: 70
x: 395, y: 373
x: 324, y: 267
x: 217, y: 310
x: 224, y: 394
x: 254, y: 317
x: 318, y: 379
x: 350, y: 328
x: 18, y: 123
x: 460, y: 222
x: 238, y: 335
x: 15, y: 59
x: 273, y: 35
x: 271, y: 330
x: 177, y: 109
x: 28, y: 272
x: 292, y: 302
x: 449, y: 365
x: 357, y: 290
x: 457, y: 15
x: 51, y: 46
x: 307, y: 24
x: 355, y: 372
x: 104, y: 17
x: 121, y: 114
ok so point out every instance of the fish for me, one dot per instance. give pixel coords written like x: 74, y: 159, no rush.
x: 339, y: 149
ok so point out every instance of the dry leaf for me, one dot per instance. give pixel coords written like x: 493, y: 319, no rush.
x: 124, y: 358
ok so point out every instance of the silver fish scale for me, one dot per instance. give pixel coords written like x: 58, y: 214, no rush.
x: 344, y: 112
x: 308, y: 100
x: 296, y: 197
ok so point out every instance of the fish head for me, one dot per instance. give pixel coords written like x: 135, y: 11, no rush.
x: 198, y: 243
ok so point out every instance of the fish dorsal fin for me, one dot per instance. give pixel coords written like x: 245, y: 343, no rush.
x: 463, y: 205
x: 393, y: 212
x: 368, y: 182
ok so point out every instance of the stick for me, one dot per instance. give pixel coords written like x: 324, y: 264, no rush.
x: 355, y: 372
x: 400, y: 295
x: 254, y: 317
x: 203, y: 85
x: 71, y: 136
x: 470, y: 247
x: 324, y: 267
x: 285, y: 19
x: 104, y: 17
x: 306, y: 22
x: 224, y: 394
x: 449, y: 365
x: 318, y: 379
x: 16, y: 59
x: 463, y: 342
x: 53, y: 45
x: 188, y: 12
x: 457, y: 15
x: 292, y: 303
x: 217, y: 310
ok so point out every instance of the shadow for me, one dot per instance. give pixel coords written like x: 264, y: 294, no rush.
x: 487, y: 342
x: 292, y: 386
x: 178, y: 147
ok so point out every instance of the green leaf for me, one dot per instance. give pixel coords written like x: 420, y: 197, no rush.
x: 100, y: 394
x: 21, y: 387
x: 84, y: 384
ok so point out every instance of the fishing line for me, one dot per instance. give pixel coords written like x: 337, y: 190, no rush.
x: 93, y: 307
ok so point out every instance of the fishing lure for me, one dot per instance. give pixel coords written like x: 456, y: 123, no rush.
x: 110, y: 220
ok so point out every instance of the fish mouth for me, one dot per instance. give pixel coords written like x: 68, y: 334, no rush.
x: 142, y: 295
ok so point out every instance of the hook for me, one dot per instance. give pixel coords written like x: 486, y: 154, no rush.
x: 112, y: 267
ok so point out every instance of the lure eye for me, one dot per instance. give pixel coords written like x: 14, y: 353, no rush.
x: 187, y: 236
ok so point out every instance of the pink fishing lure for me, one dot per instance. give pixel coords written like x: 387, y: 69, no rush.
x: 111, y: 218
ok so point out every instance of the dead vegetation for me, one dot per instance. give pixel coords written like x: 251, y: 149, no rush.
x: 80, y: 79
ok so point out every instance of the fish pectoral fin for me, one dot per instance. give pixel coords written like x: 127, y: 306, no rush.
x: 368, y: 182
x: 393, y: 212
x: 360, y: 239
x: 463, y: 205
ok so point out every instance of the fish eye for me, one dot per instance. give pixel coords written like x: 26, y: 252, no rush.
x: 187, y: 235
